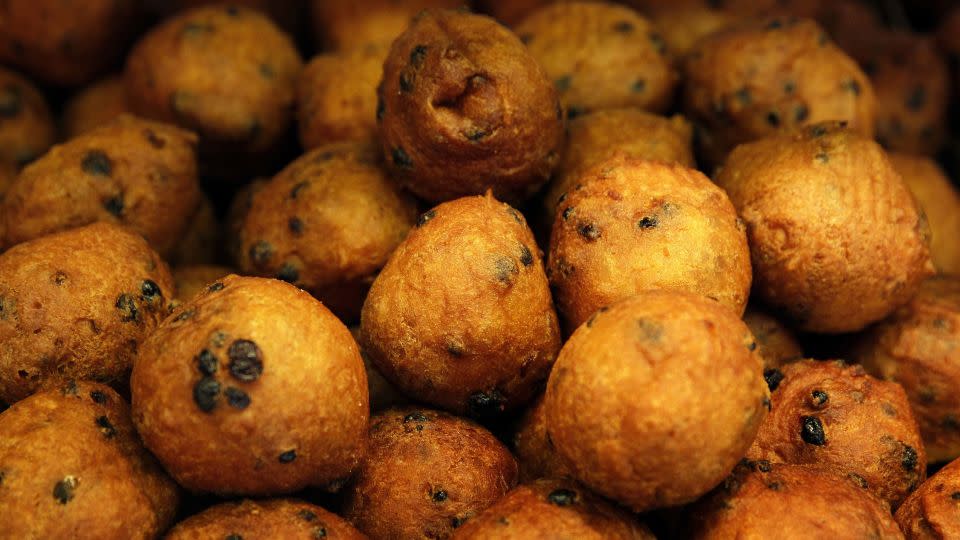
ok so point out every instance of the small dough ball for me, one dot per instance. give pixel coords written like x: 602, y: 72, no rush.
x: 461, y: 316
x: 285, y: 13
x: 76, y: 305
x: 534, y: 450
x: 254, y: 388
x: 26, y: 127
x: 383, y: 394
x: 704, y: 396
x: 237, y: 213
x: 72, y: 466
x: 683, y: 26
x: 549, y: 509
x: 835, y: 416
x: 804, y: 194
x: 776, y: 343
x: 94, y: 106
x: 342, y: 25
x: 601, y: 56
x: 796, y: 501
x: 633, y: 225
x: 226, y: 72
x: 464, y: 107
x: 915, y: 348
x: 425, y: 473
x: 133, y: 172
x: 930, y: 512
x: 193, y: 280
x: 276, y: 518
x: 510, y: 12
x: 855, y: 25
x: 202, y: 241
x: 327, y: 223
x: 754, y: 79
x: 940, y: 201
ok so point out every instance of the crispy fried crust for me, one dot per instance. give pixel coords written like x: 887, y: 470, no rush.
x: 930, y: 512
x: 276, y: 518
x: 27, y: 129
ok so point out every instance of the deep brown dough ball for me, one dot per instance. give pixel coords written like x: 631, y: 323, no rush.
x: 226, y: 72
x: 835, y: 416
x: 761, y: 500
x: 776, y: 343
x: 754, y: 79
x: 271, y: 518
x: 425, y: 473
x: 600, y: 56
x: 193, y: 280
x: 327, y: 223
x: 948, y: 39
x: 465, y: 108
x: 347, y: 24
x: 694, y: 363
x: 633, y: 225
x: 510, y: 12
x: 26, y: 127
x: 285, y: 13
x: 940, y: 201
x: 683, y: 26
x: 534, y: 449
x: 66, y: 42
x: 94, y: 106
x: 237, y: 213
x: 853, y: 24
x: 131, y: 172
x: 548, y: 509
x: 253, y: 388
x: 76, y: 305
x: 461, y: 316
x: 72, y: 466
x: 8, y: 173
x: 202, y: 243
x: 930, y: 512
x: 836, y: 240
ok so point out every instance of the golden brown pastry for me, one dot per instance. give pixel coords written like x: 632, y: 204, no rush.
x: 202, y: 243
x: 94, y: 106
x: 509, y: 12
x: 931, y: 512
x: 285, y: 13
x: 193, y: 280
x: 341, y: 25
x: 383, y: 394
x: 535, y: 452
x: 26, y: 127
x: 682, y: 26
x: 271, y: 518
x: 776, y: 343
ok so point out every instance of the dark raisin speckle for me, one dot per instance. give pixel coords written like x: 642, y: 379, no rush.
x: 154, y: 139
x: 588, y: 231
x: 562, y: 497
x: 415, y: 416
x: 909, y: 461
x: 246, y: 362
x: 505, y: 269
x: 63, y: 490
x: 295, y: 190
x: 624, y: 27
x: 439, y: 496
x: 852, y: 86
x: 206, y: 362
x: 567, y: 212
x: 648, y: 222
x: 114, y: 205
x: 233, y: 536
x: 858, y: 480
x: 215, y: 287
x: 955, y: 495
x: 288, y: 456
x: 658, y: 43
x: 425, y: 217
x: 295, y: 225
x: 563, y: 83
x: 819, y: 398
x: 320, y: 532
x: 773, y: 118
x: 743, y: 96
x: 205, y: 393
x: 401, y: 158
x: 128, y: 308
x: 917, y: 98
x: 149, y: 289
x: 288, y: 273
x: 105, y: 427
x: 98, y: 397
x: 486, y: 404
x: 526, y: 257
x: 96, y: 163
x: 11, y: 101
x: 417, y: 55
x: 306, y: 515
x: 774, y: 377
x: 801, y: 113
x: 638, y: 86
x: 818, y: 131
x: 237, y: 398
x: 812, y: 431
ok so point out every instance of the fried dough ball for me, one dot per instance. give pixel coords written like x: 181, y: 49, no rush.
x: 510, y: 12
x: 704, y: 396
x: 754, y: 79
x: 383, y: 394
x: 948, y: 39
x: 633, y: 225
x: 72, y: 467
x: 276, y: 518
x: 8, y: 173
x: 425, y: 473
x: 226, y: 72
x: 201, y: 243
x: 534, y: 449
x: 548, y: 509
x: 464, y: 107
x: 347, y: 24
x: 26, y: 127
x: 776, y: 343
x: 253, y: 388
x: 237, y: 213
x: 133, y: 172
x: 193, y: 280
x: 95, y: 106
x: 461, y: 316
x: 285, y: 13
x: 835, y: 416
x: 930, y: 512
x: 76, y: 305
x: 683, y: 26
x: 836, y: 240
x: 795, y: 501
x: 855, y: 25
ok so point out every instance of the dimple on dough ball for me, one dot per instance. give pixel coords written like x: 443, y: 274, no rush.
x: 940, y: 201
x: 464, y: 107
x: 202, y: 242
x: 425, y: 473
x: 77, y: 305
x: 652, y: 402
x: 132, y: 172
x: 776, y: 343
x: 836, y: 240
x: 760, y: 500
x: 226, y: 72
x: 835, y: 416
x: 682, y: 26
x: 347, y: 24
x: 754, y: 79
x: 193, y: 280
x: 96, y: 105
x: 548, y: 509
x: 72, y: 466
x: 600, y: 55
x: 930, y: 512
x: 461, y: 316
x: 271, y: 518
x: 633, y: 225
x: 252, y: 388
x: 26, y: 127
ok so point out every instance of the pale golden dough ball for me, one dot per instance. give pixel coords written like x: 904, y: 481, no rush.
x: 776, y: 343
x: 534, y: 450
x: 348, y: 24
x: 93, y: 106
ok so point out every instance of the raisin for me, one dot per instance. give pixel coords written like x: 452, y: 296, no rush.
x: 406, y: 82
x: 456, y: 349
x: 818, y: 131
x: 96, y: 163
x: 909, y: 461
x: 517, y: 216
x: 114, y: 205
x: 184, y: 315
x: 207, y: 362
x: 588, y: 231
x: 648, y: 222
x: 245, y: 360
x: 425, y: 217
x: 774, y: 377
x: 106, y: 427
x: 819, y: 398
x: 439, y: 496
x: 261, y: 252
x: 233, y: 536
x: 381, y: 108
x: 59, y: 278
x: 266, y: 71
x: 917, y: 98
x: 812, y: 431
x: 852, y: 86
x: 773, y: 118
x: 743, y: 96
x: 217, y: 286
x: 295, y: 191
x: 205, y: 393
x: 400, y: 158
x: 415, y: 416
x: 775, y: 24
x: 417, y: 55
x: 98, y: 397
x: 623, y: 27
x: 955, y: 495
x: 154, y: 139
x: 505, y: 269
x: 306, y: 515
x: 457, y: 521
x: 638, y: 86
x: 562, y: 497
x: 567, y: 212
x: 563, y: 83
x: 236, y: 398
x: 320, y: 532
x: 149, y: 289
x: 574, y: 111
x: 526, y: 257
x: 763, y: 465
x: 295, y: 225
x: 288, y: 273
x: 128, y: 307
x: 486, y: 404
x: 859, y: 480
x: 789, y: 87
x: 658, y: 43
x: 11, y: 102
x: 288, y: 456
x: 63, y: 490
x: 822, y: 157
x: 801, y: 113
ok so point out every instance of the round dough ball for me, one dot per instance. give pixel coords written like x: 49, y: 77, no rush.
x: 703, y: 397
x: 776, y: 343
x: 382, y: 393
x: 425, y: 473
x: 202, y: 241
x: 26, y: 127
x: 600, y: 56
x: 548, y: 509
x: 276, y: 518
x: 930, y: 512
x: 461, y: 316
x: 940, y: 201
x: 534, y: 450
x: 632, y: 225
x: 285, y: 13
x: 193, y: 280
x: 237, y: 212
x: 341, y: 25
x: 836, y: 416
x: 464, y: 107
x: 948, y: 38
x: 327, y: 223
x: 94, y: 106
x: 754, y: 79
x: 132, y: 172
x: 254, y: 388
x: 226, y: 72
x: 76, y: 305
x: 72, y: 466
x: 795, y: 501
x: 683, y: 26
x: 510, y: 12
x: 836, y: 240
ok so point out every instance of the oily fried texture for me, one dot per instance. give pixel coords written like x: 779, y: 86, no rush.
x: 26, y: 127
x: 383, y: 394
x: 94, y: 106
x: 341, y: 25
x: 276, y: 518
x: 930, y: 512
x: 693, y: 361
x: 776, y: 343
x: 77, y: 305
x: 836, y: 240
x: 534, y: 450
x: 193, y: 280
x: 251, y: 388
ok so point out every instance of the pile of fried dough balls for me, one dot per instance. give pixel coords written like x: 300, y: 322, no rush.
x: 512, y: 270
